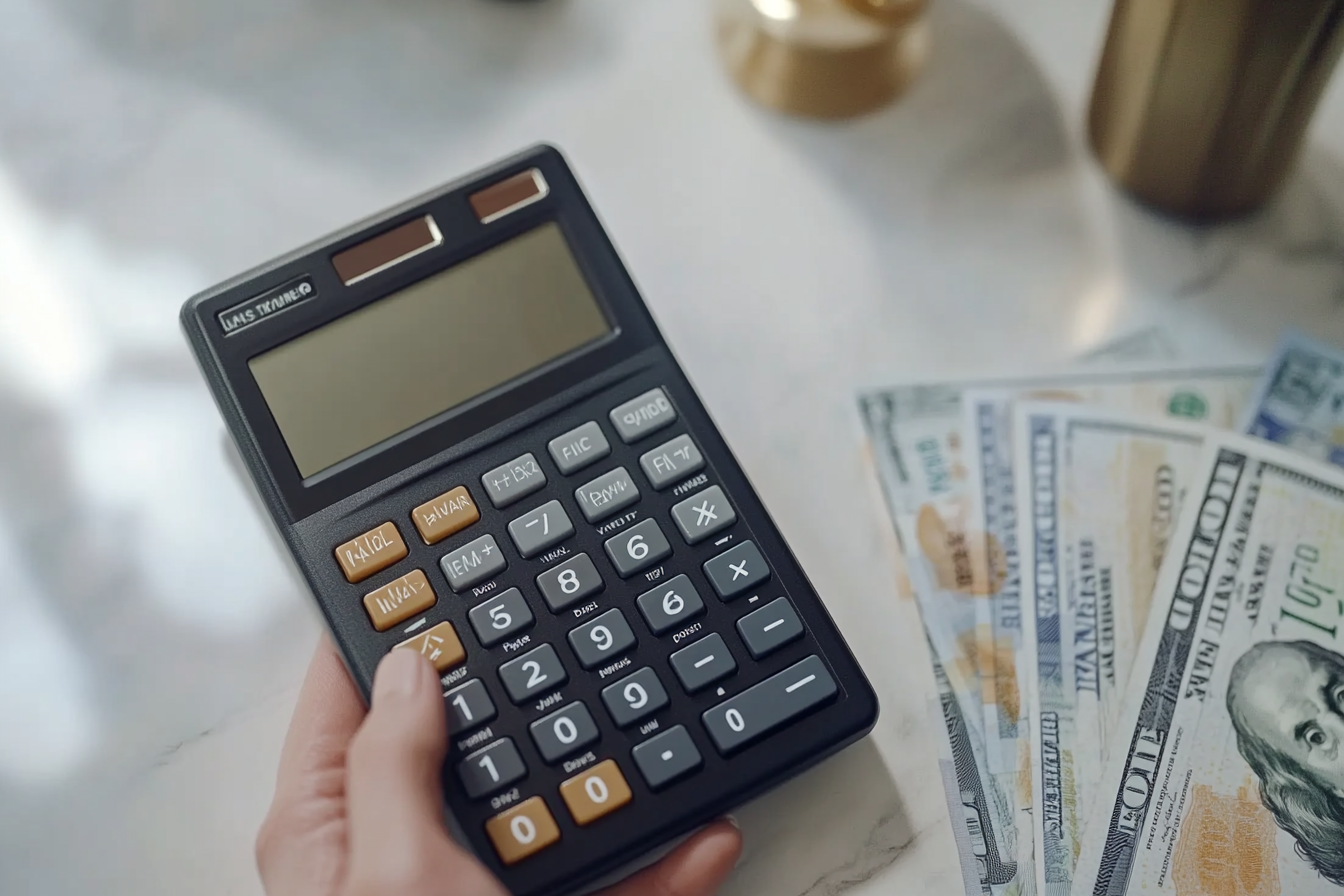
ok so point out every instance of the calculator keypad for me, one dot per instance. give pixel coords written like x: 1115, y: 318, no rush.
x: 540, y: 529
x: 565, y: 585
x: 505, y: 620
x: 473, y: 563
x: 670, y: 604
x: 607, y: 636
x: 703, y: 514
x: 703, y: 663
x: 491, y: 768
x: 501, y: 616
x: 637, y: 548
x: 606, y: 495
x: 532, y: 673
x: 563, y: 733
x: 634, y: 697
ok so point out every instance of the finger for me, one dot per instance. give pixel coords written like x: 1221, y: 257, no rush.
x: 326, y: 716
x: 301, y: 845
x: 696, y: 868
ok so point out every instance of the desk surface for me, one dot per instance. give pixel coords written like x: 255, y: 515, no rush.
x: 151, y: 642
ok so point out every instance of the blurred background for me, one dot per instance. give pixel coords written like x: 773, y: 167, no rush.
x: 152, y: 639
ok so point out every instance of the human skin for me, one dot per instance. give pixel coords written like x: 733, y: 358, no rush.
x: 358, y: 808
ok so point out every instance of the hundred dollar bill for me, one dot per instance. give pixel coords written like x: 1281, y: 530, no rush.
x: 1227, y: 773
x: 1100, y: 493
x: 1299, y: 402
x: 929, y: 478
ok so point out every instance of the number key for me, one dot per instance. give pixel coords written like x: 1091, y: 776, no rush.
x: 469, y: 705
x: 570, y: 582
x: 500, y: 617
x: 533, y: 672
x: 562, y: 733
x: 634, y: 697
x: 491, y: 768
x: 670, y: 604
x: 637, y: 548
x: 597, y: 641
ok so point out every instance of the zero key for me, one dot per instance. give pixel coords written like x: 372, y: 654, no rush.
x: 773, y: 703
x: 525, y: 829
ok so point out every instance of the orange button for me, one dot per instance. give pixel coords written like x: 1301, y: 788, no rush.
x: 400, y: 600
x: 596, y: 792
x: 519, y: 832
x: 363, y: 556
x: 448, y: 513
x: 439, y: 645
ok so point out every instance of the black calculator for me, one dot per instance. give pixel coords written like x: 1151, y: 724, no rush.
x: 476, y: 444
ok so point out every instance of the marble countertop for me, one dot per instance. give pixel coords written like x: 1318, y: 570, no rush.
x: 151, y: 642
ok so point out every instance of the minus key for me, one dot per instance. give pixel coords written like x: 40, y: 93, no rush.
x: 765, y: 707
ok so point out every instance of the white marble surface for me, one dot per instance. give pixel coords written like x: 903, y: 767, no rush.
x: 150, y: 643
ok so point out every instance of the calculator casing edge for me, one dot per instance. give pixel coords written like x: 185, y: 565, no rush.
x: 309, y: 535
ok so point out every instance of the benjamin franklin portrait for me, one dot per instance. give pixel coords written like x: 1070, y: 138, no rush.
x: 1286, y: 699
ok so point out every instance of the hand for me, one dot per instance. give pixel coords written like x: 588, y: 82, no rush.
x: 357, y: 808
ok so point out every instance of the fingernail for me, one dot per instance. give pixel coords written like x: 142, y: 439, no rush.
x: 399, y: 675
x: 732, y: 820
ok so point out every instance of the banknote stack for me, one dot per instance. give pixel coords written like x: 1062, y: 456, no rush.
x: 1134, y: 606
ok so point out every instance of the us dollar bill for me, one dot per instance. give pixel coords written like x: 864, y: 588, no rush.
x: 930, y: 476
x: 1227, y: 772
x: 1100, y: 494
x: 1299, y: 402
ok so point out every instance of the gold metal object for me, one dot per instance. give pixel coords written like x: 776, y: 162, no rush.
x: 1200, y: 106
x: 823, y: 58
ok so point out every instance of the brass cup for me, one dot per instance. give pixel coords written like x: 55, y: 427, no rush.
x: 823, y: 58
x: 1200, y: 106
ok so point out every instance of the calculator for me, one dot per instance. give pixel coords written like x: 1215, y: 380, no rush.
x: 475, y: 443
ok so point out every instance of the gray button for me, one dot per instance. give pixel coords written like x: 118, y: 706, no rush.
x: 561, y: 733
x: 637, y: 548
x: 703, y: 514
x: 605, y: 637
x: 491, y: 768
x: 473, y: 563
x: 634, y: 697
x: 533, y: 672
x: 736, y: 571
x: 670, y: 604
x: 469, y: 705
x: 579, y: 447
x: 703, y: 663
x: 764, y: 707
x: 642, y: 416
x: 606, y: 495
x: 769, y: 628
x: 570, y: 582
x: 539, y: 529
x: 666, y: 757
x: 501, y: 616
x: 514, y: 480
x: 672, y: 461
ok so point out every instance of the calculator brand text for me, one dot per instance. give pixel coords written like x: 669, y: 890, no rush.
x: 258, y: 308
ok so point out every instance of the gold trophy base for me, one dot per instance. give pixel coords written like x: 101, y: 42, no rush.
x: 821, y: 58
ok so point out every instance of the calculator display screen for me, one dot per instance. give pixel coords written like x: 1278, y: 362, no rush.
x: 398, y: 362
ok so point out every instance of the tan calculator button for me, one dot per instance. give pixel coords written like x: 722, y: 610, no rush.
x: 596, y: 792
x: 448, y: 513
x: 439, y: 645
x: 400, y: 600
x: 363, y: 556
x: 526, y: 828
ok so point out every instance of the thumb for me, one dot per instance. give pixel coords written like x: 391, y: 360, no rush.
x: 397, y: 839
